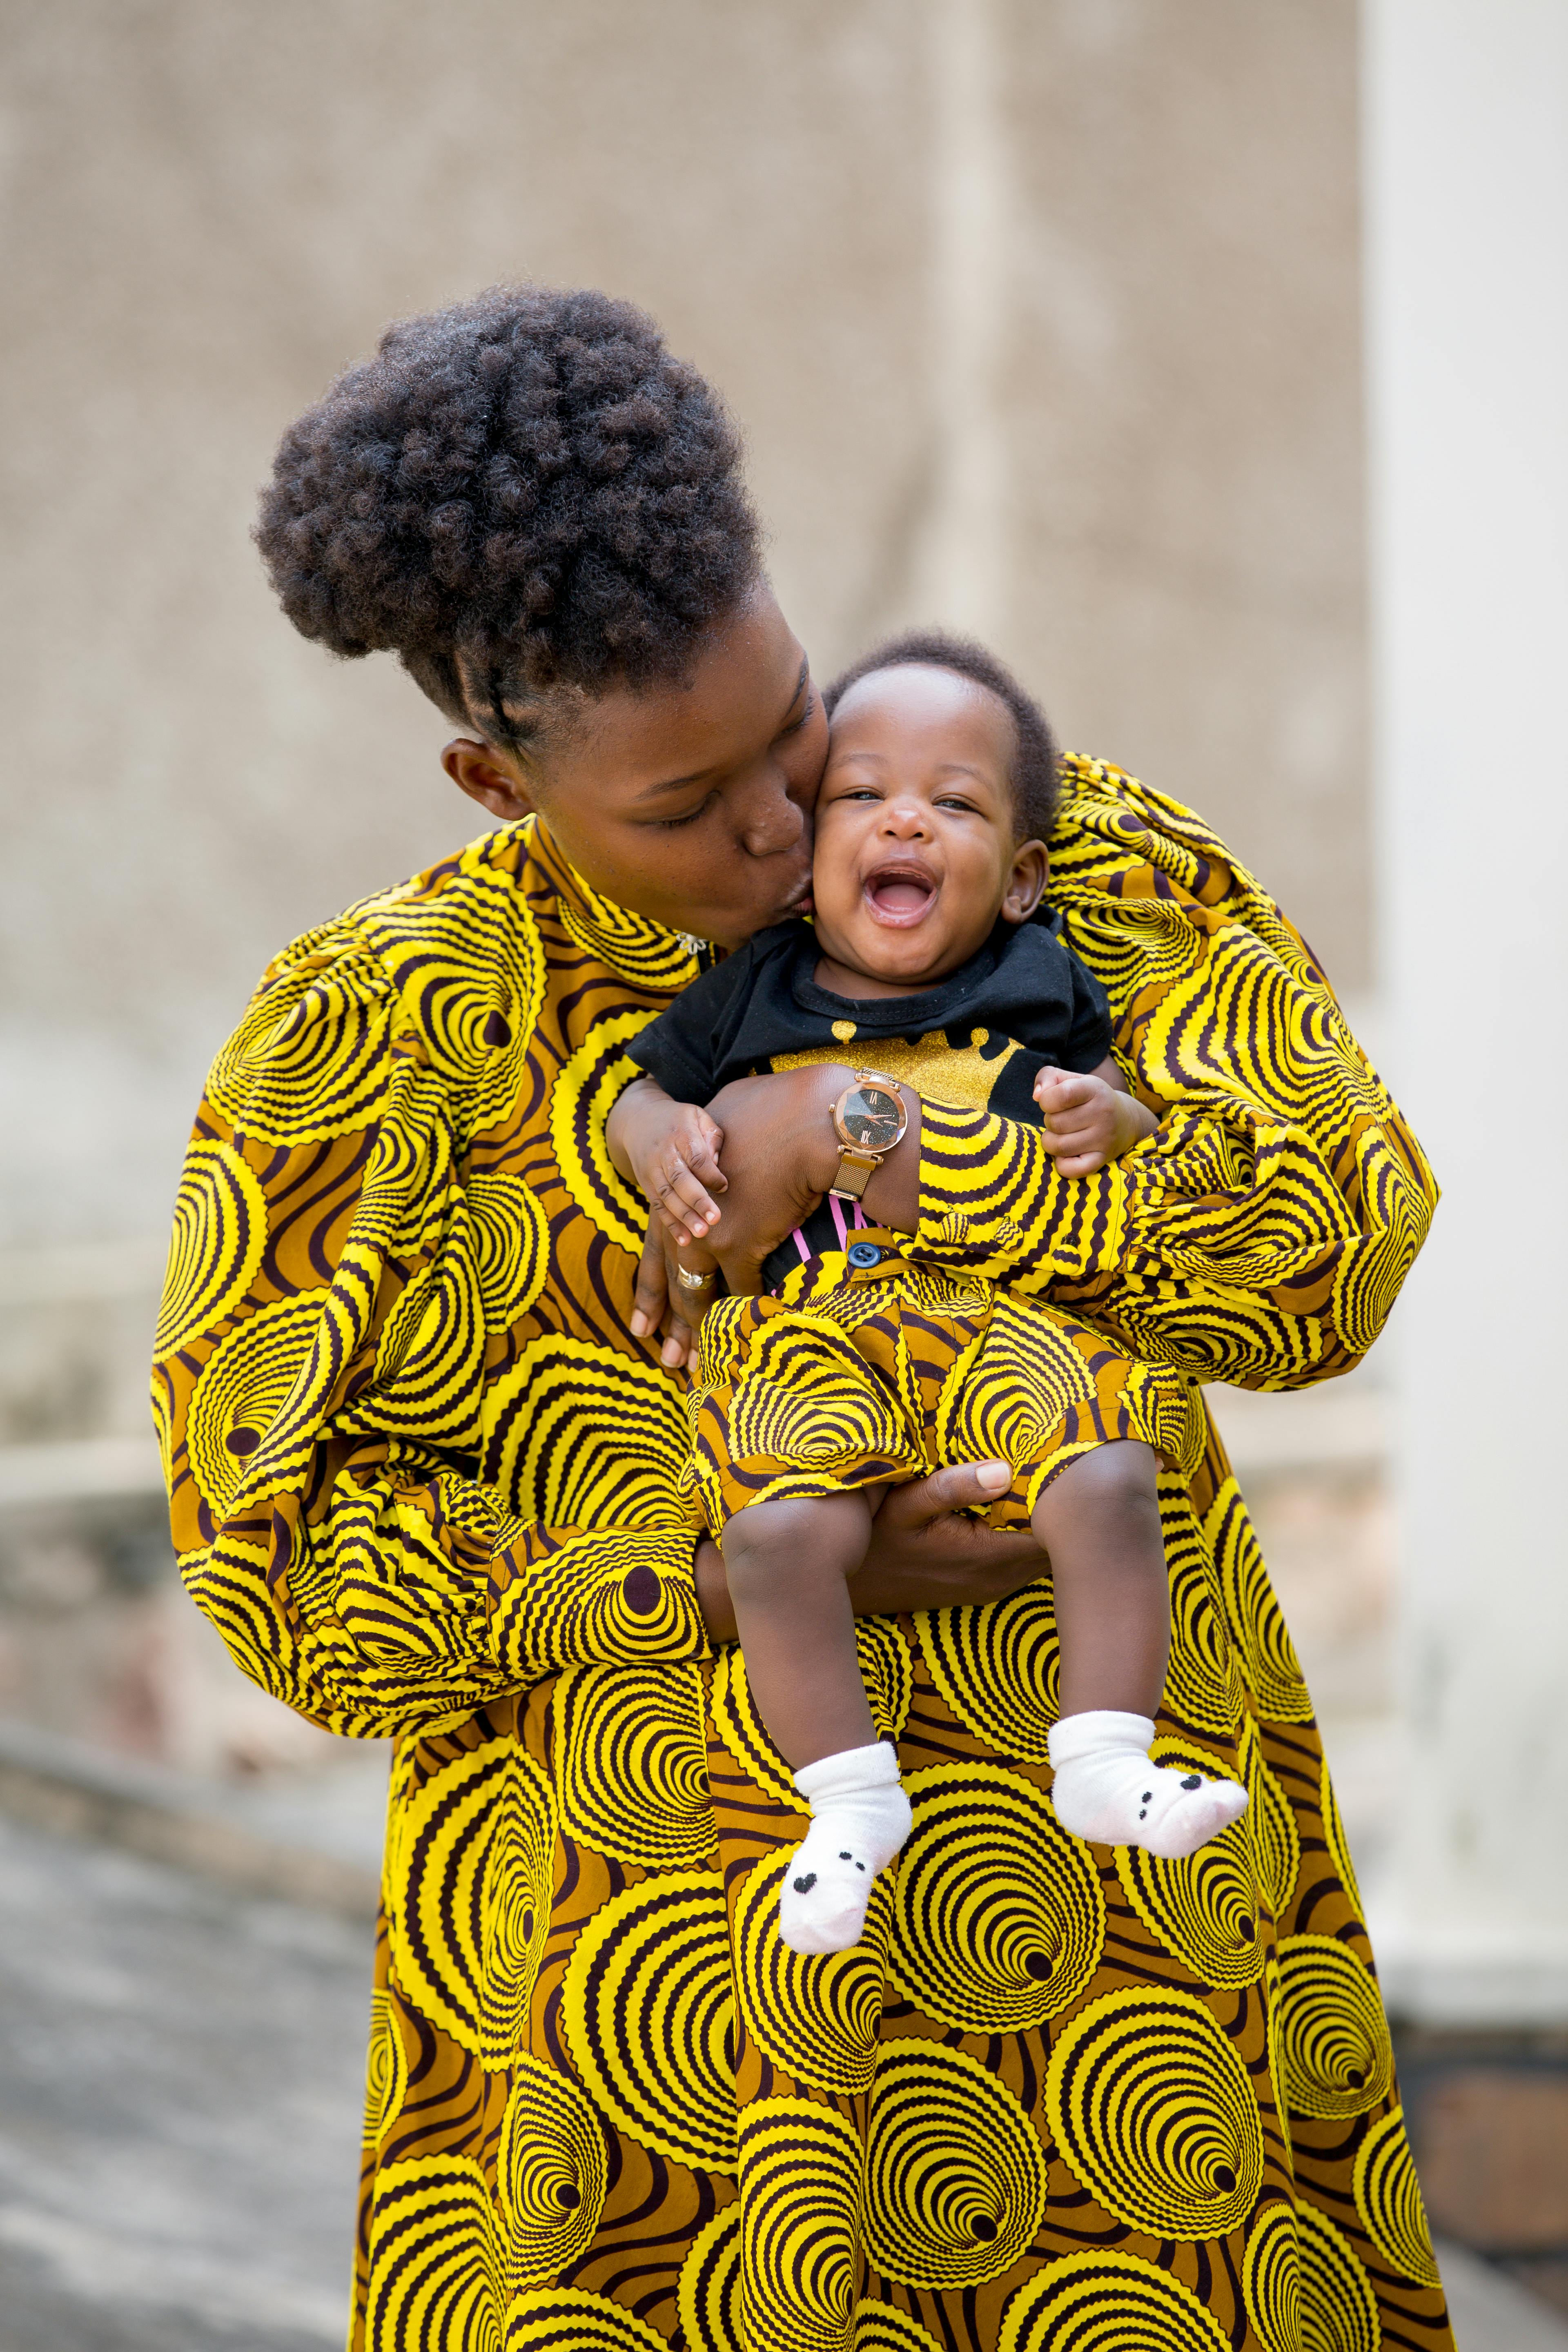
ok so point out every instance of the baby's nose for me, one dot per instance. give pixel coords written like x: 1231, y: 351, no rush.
x: 905, y: 817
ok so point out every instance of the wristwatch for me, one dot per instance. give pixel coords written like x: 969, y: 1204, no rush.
x: 870, y: 1121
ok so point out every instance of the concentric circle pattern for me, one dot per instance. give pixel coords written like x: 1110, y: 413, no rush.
x: 882, y: 2328
x: 1335, y: 2049
x: 511, y: 1246
x: 1336, y: 1843
x: 581, y: 1100
x: 1108, y: 2302
x: 631, y: 1763
x: 552, y: 2171
x: 1205, y: 1907
x: 998, y: 1917
x: 649, y: 2008
x: 1155, y: 2113
x: 955, y: 2175
x: 744, y: 1733
x: 1271, y: 2280
x: 997, y: 1667
x: 1270, y: 1825
x: 555, y: 1428
x: 1388, y: 2198
x: 436, y: 2259
x: 816, y: 2017
x: 565, y: 2319
x: 248, y: 1386
x: 800, y: 2196
x: 1339, y: 2309
x: 887, y: 1671
x: 708, y: 2297
x: 1256, y: 1626
x: 470, y: 1859
x: 386, y: 2068
x: 1203, y: 1680
x: 218, y: 1241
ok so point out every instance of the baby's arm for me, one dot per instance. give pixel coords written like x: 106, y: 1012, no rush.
x: 670, y: 1152
x: 1090, y: 1117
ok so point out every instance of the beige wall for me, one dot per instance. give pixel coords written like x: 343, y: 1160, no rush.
x: 210, y: 207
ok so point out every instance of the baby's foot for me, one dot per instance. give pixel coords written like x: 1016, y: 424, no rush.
x: 859, y: 1818
x: 1107, y: 1788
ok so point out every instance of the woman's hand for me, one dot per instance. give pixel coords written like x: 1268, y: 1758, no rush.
x: 663, y: 1302
x: 780, y: 1156
x: 921, y: 1555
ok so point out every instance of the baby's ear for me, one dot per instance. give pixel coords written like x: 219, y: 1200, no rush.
x: 1026, y: 882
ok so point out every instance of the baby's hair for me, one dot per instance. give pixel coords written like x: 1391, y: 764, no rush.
x: 522, y: 493
x: 1035, y: 779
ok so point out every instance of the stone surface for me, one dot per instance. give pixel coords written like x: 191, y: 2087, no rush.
x: 181, y: 2082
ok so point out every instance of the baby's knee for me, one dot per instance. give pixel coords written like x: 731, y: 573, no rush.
x: 1117, y: 1482
x: 819, y: 1535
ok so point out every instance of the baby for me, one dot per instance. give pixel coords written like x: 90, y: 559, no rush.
x: 860, y: 1365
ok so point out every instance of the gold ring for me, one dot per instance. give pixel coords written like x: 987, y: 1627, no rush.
x: 692, y: 1281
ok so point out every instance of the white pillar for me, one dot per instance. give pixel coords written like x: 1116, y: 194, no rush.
x: 1466, y: 207
x: 962, y: 560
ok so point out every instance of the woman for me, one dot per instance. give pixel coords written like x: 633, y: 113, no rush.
x: 423, y: 1455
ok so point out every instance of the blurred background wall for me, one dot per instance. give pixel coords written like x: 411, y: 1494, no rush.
x: 1042, y: 318
x: 1039, y: 317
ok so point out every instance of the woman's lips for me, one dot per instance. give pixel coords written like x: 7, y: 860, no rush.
x: 898, y: 897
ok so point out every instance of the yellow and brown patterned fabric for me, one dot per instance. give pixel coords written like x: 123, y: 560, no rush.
x: 425, y: 1484
x: 862, y: 1373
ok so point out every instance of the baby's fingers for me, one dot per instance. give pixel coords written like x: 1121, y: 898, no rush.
x: 683, y: 1203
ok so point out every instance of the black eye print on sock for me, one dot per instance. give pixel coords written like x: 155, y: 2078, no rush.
x: 845, y: 1855
x: 1147, y: 1797
x: 804, y: 1885
x: 859, y: 1865
x: 1144, y: 1814
x: 1193, y: 1780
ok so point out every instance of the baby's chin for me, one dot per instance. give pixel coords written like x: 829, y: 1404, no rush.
x: 906, y: 960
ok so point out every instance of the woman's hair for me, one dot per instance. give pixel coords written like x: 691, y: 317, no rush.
x: 522, y: 493
x: 1035, y: 779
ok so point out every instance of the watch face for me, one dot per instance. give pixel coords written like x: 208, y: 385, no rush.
x: 872, y: 1118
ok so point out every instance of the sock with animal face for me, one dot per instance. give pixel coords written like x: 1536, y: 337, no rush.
x: 1107, y: 1788
x: 859, y: 1818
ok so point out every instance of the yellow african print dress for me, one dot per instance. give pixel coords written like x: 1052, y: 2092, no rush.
x: 424, y: 1483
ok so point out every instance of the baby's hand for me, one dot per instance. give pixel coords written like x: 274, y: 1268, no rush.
x: 670, y: 1150
x: 1088, y: 1120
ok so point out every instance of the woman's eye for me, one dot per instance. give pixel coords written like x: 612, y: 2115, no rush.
x: 674, y: 824
x: 795, y: 725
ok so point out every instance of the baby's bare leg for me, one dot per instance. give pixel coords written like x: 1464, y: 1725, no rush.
x: 788, y: 1566
x: 1100, y: 1522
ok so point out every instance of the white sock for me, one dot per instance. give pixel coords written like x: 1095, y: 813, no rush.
x: 860, y: 1818
x: 1106, y: 1788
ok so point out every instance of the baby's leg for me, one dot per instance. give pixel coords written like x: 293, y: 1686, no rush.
x: 788, y: 1566
x: 1100, y: 1522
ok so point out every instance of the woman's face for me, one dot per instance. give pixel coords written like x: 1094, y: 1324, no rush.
x: 690, y: 802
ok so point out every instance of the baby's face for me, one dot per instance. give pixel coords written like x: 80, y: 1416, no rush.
x: 915, y: 857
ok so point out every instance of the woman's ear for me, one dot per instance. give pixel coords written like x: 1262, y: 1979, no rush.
x: 1026, y: 882
x: 476, y: 769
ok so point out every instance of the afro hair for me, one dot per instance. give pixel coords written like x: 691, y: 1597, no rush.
x: 1035, y: 780
x: 523, y: 493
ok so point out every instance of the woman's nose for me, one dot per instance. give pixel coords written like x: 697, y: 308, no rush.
x: 769, y: 820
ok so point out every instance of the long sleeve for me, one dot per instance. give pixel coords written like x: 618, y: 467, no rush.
x: 400, y: 1484
x: 1261, y: 1235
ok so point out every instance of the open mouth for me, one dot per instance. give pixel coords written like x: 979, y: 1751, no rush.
x: 898, y: 893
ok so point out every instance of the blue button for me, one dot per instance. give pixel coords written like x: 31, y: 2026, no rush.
x: 864, y: 1254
